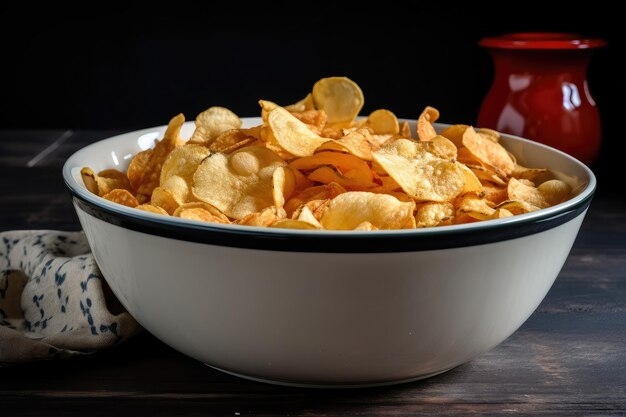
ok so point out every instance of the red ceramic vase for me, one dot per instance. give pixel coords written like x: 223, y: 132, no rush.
x: 540, y: 91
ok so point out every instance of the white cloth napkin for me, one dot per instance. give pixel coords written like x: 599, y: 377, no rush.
x: 53, y: 300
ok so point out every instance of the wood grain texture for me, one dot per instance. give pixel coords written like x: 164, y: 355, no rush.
x: 568, y: 359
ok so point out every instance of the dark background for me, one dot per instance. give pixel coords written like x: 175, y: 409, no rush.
x: 130, y: 67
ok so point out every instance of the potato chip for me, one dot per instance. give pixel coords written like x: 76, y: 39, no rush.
x: 419, y: 173
x: 231, y: 140
x: 355, y: 142
x: 264, y: 218
x: 344, y: 162
x: 349, y: 210
x: 490, y: 134
x: 151, y: 209
x: 442, y: 147
x: 221, y: 217
x: 340, y: 97
x: 516, y: 207
x: 366, y: 227
x: 434, y: 214
x: 455, y: 134
x: 484, y: 174
x: 405, y: 130
x: 315, y: 120
x: 144, y: 171
x: 501, y: 213
x: 294, y: 224
x: 165, y: 199
x: 201, y: 215
x: 237, y: 184
x: 320, y: 192
x: 519, y: 191
x: 123, y: 197
x: 105, y: 181
x: 475, y: 207
x: 383, y: 122
x: 291, y: 134
x: 332, y: 132
x: 303, y: 105
x: 352, y: 179
x: 554, y: 191
x: 178, y: 169
x: 312, y: 211
x: 425, y: 128
x: 494, y: 193
x: 211, y: 123
x: 283, y: 185
x: 521, y: 172
x: 472, y: 183
x: 491, y: 154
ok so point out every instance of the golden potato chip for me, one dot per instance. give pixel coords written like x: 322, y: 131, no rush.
x: 312, y: 211
x: 332, y: 132
x: 352, y: 179
x: 366, y: 227
x: 178, y: 169
x: 475, y: 207
x: 519, y: 191
x: 315, y: 120
x: 204, y: 206
x: 144, y: 171
x: 516, y: 207
x: 484, y: 174
x: 105, y: 181
x: 320, y: 192
x: 355, y: 142
x: 291, y: 134
x: 283, y: 185
x: 294, y: 224
x: 237, y: 184
x: 123, y: 197
x: 201, y: 215
x: 501, y: 213
x: 419, y: 173
x: 425, y: 128
x: 230, y: 141
x: 349, y: 210
x: 151, y: 209
x: 211, y: 123
x: 302, y: 105
x: 340, y: 97
x: 434, y: 214
x: 455, y: 134
x: 264, y: 218
x: 554, y: 191
x: 89, y: 179
x: 472, y: 183
x: 521, y: 172
x: 165, y: 199
x: 494, y: 193
x: 405, y: 130
x: 490, y: 134
x: 383, y: 122
x: 344, y: 162
x: 491, y: 154
x: 441, y: 147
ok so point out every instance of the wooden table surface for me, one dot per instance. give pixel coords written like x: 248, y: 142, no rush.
x: 568, y: 359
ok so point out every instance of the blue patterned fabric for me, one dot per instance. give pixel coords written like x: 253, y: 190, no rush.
x: 52, y: 298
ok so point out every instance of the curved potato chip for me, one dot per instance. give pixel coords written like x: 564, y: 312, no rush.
x: 315, y: 120
x: 494, y: 193
x: 312, y: 211
x: 283, y: 185
x: 519, y: 191
x: 144, y: 171
x: 123, y: 197
x: 555, y: 191
x: 303, y: 105
x: 490, y: 134
x: 434, y: 214
x: 204, y: 206
x: 405, y: 130
x: 165, y: 199
x: 351, y: 179
x: 340, y: 97
x: 419, y: 173
x: 355, y: 143
x: 442, y: 147
x: 366, y: 226
x: 151, y: 209
x: 455, y: 134
x: 476, y: 208
x: 344, y: 162
x: 211, y: 123
x: 501, y: 213
x: 291, y: 134
x: 319, y: 192
x: 489, y: 153
x: 264, y: 218
x: 237, y: 184
x: 349, y: 210
x: 294, y: 224
x: 425, y: 129
x: 516, y: 207
x: 105, y: 181
x: 230, y: 141
x: 521, y: 172
x: 202, y: 215
x: 472, y: 183
x: 383, y: 122
x: 183, y: 162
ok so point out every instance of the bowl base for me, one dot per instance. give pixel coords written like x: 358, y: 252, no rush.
x: 329, y: 385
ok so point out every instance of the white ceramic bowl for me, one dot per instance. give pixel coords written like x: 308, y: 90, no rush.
x: 327, y: 308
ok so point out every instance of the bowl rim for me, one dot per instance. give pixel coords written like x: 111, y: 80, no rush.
x: 327, y: 241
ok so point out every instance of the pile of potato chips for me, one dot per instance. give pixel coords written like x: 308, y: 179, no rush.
x: 312, y: 165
